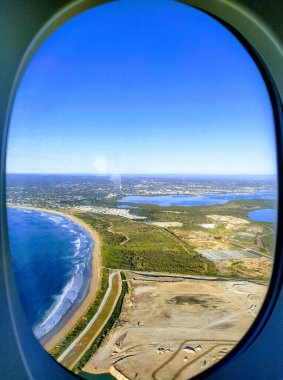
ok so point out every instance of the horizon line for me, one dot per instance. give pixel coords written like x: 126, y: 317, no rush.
x: 147, y: 174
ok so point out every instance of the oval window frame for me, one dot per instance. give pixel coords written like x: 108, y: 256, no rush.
x: 265, y: 48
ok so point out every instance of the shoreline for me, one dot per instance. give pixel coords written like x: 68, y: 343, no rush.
x: 69, y: 320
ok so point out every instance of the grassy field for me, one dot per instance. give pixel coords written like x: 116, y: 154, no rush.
x: 192, y: 217
x: 140, y: 246
x: 136, y: 245
x: 268, y: 240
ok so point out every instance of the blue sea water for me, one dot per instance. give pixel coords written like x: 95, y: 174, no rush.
x: 192, y: 200
x: 51, y: 258
x: 264, y: 215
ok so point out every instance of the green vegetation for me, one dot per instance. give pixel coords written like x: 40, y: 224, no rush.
x: 197, y: 214
x: 82, y: 322
x: 268, y: 242
x: 154, y: 260
x: 192, y: 217
x: 133, y: 245
x: 114, y: 316
x: 91, y: 376
x: 251, y: 203
x: 147, y: 248
x: 243, y: 238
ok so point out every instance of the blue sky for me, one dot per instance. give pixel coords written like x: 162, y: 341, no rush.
x: 142, y: 87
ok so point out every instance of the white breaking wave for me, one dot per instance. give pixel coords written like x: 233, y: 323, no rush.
x: 56, y: 219
x: 77, y: 244
x: 76, y: 288
x: 52, y: 315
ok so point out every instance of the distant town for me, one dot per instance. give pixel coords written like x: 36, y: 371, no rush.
x: 61, y: 191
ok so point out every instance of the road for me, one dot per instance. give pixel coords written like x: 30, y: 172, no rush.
x: 172, y: 357
x: 252, y: 251
x: 81, y: 344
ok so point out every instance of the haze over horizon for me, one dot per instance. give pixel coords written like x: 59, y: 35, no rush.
x: 161, y: 89
x: 190, y: 175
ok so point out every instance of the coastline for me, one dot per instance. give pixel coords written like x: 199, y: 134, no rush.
x: 68, y: 321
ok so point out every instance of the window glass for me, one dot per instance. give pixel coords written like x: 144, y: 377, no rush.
x: 141, y: 191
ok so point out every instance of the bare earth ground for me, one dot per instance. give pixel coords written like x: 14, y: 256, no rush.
x: 217, y: 247
x: 254, y: 266
x: 174, y: 328
x: 200, y: 239
x: 230, y: 222
x: 167, y: 224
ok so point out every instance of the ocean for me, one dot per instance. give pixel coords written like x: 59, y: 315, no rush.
x: 194, y: 200
x: 52, y: 259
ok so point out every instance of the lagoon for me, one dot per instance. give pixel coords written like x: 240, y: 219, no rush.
x: 264, y: 215
x: 193, y: 200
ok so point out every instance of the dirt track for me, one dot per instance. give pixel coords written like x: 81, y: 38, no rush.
x: 173, y: 329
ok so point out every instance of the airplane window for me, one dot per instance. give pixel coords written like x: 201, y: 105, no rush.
x: 141, y: 191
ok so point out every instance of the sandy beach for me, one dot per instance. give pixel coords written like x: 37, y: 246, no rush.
x: 94, y: 282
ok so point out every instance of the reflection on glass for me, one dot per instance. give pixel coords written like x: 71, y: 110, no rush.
x: 141, y: 191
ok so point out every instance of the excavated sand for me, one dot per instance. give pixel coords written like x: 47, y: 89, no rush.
x: 174, y: 329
